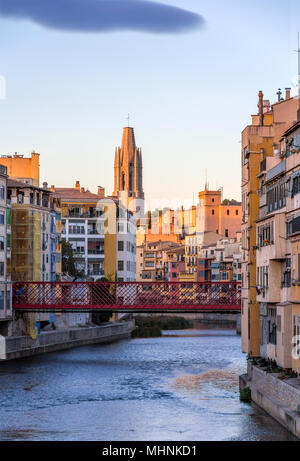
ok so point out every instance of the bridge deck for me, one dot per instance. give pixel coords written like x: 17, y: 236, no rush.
x: 160, y: 297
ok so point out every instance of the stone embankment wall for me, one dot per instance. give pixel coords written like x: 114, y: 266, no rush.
x: 23, y: 346
x: 279, y: 398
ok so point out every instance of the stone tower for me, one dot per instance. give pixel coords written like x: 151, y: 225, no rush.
x: 128, y: 170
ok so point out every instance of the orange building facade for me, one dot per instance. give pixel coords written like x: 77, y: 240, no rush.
x: 26, y: 169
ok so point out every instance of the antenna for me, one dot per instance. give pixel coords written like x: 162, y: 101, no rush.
x: 298, y: 51
x: 128, y: 120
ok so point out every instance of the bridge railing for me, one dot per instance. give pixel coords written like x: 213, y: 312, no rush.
x: 75, y: 296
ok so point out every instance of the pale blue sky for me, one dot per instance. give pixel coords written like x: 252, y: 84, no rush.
x: 189, y: 95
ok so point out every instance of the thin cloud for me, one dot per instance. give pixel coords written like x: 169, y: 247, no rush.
x: 103, y: 15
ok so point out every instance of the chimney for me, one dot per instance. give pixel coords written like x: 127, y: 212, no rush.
x: 77, y: 185
x: 82, y: 189
x: 261, y: 107
x: 101, y: 191
x: 45, y: 185
x: 287, y: 93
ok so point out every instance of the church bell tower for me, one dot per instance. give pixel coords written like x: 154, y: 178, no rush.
x: 128, y: 171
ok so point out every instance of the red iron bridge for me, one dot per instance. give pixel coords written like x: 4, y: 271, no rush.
x: 144, y: 297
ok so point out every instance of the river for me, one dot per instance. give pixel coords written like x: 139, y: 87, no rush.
x: 182, y: 386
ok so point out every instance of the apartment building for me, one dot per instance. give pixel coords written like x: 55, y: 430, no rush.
x: 152, y: 260
x: 5, y: 281
x: 193, y: 245
x: 260, y: 141
x: 101, y: 231
x: 24, y: 172
x: 126, y: 245
x: 221, y: 261
x: 175, y: 262
x: 82, y: 224
x: 33, y: 232
x: 278, y: 249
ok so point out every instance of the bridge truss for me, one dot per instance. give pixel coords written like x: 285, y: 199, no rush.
x: 160, y: 297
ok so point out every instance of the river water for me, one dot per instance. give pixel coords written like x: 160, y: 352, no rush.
x: 183, y: 386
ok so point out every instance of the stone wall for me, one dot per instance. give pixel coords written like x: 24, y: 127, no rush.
x: 279, y: 398
x: 23, y: 346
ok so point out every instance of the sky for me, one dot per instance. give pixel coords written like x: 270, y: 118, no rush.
x: 187, y: 72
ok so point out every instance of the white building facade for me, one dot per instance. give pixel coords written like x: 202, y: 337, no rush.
x: 5, y: 281
x: 126, y: 246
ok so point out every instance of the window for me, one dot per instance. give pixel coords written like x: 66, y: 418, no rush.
x: 276, y: 196
x: 293, y: 226
x: 149, y: 264
x: 8, y: 300
x: 212, y: 212
x: 1, y: 268
x: 2, y: 217
x: 296, y: 186
x: 2, y: 192
x: 120, y: 245
x: 228, y: 212
x: 1, y: 299
x: 120, y: 265
x: 265, y: 234
x: 286, y: 276
x: 226, y: 233
x: 237, y: 212
x: 76, y: 229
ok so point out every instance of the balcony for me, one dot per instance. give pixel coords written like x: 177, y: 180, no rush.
x: 95, y: 252
x: 83, y: 214
x: 97, y: 272
x: 276, y: 247
x: 215, y: 265
x: 276, y: 170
